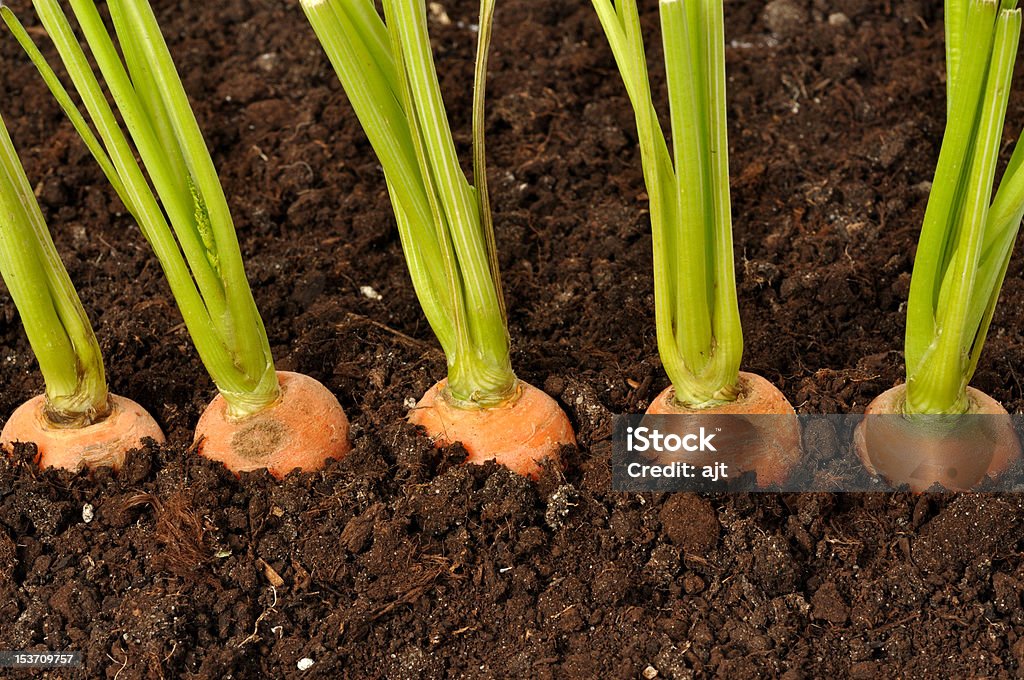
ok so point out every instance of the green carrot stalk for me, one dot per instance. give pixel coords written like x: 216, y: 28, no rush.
x: 58, y: 329
x: 967, y: 236
x: 387, y: 69
x: 181, y: 207
x: 696, y: 308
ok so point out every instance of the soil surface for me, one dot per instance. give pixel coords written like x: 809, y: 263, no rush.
x: 399, y: 563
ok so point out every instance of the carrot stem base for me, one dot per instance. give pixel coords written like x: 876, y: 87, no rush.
x: 771, y: 447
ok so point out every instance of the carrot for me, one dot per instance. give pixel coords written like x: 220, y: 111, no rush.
x: 696, y: 307
x: 771, y: 445
x: 445, y: 224
x: 956, y: 451
x: 103, y: 443
x: 76, y: 421
x: 934, y: 428
x: 302, y: 429
x: 520, y: 433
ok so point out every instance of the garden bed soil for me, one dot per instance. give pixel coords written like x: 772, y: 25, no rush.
x: 399, y: 563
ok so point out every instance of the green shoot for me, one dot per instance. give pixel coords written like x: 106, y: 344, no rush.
x: 387, y: 69
x: 966, y: 240
x: 183, y: 214
x: 55, y: 321
x: 696, y: 309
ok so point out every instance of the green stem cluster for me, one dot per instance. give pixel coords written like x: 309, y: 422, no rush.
x: 58, y: 329
x: 696, y: 309
x: 387, y: 69
x: 183, y: 214
x: 967, y: 237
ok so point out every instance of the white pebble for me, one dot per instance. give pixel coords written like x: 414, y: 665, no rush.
x: 438, y: 13
x: 838, y: 19
x: 369, y: 292
x: 88, y: 512
x: 305, y: 663
x: 267, y: 61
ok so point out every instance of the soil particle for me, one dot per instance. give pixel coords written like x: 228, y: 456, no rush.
x: 773, y: 565
x: 691, y: 523
x: 8, y: 558
x: 785, y: 18
x: 560, y: 505
x: 828, y: 604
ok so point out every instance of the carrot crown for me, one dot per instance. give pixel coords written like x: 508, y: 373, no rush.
x: 967, y: 237
x: 58, y: 329
x: 387, y: 69
x: 181, y: 208
x: 696, y: 310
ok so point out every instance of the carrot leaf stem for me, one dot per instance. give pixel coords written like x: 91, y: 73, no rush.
x: 55, y: 321
x: 967, y: 236
x: 696, y: 307
x: 386, y: 67
x: 181, y: 209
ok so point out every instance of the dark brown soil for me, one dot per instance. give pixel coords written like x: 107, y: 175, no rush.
x: 397, y: 562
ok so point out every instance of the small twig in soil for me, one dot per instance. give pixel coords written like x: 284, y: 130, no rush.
x: 893, y: 624
x: 420, y: 344
x: 564, y: 611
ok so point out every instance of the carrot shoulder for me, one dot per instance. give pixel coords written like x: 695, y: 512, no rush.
x: 302, y: 429
x: 520, y: 433
x: 104, y: 443
x: 772, y: 443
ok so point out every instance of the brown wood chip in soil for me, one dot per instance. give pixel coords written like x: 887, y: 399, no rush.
x: 397, y: 562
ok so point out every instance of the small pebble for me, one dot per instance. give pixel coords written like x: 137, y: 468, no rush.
x: 369, y: 293
x: 785, y: 18
x: 88, y: 512
x: 439, y: 14
x: 305, y: 663
x: 650, y: 672
x: 267, y: 61
x: 838, y: 20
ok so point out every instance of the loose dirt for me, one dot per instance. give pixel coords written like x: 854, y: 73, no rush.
x: 399, y: 563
